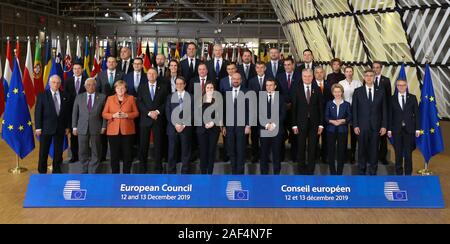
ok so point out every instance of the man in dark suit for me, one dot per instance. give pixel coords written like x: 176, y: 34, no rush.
x: 73, y: 86
x: 134, y: 81
x: 325, y: 89
x: 52, y: 123
x: 288, y: 82
x: 308, y: 62
x: 237, y: 127
x: 179, y: 132
x: 135, y: 78
x: 201, y: 79
x: 217, y: 67
x: 369, y: 122
x: 125, y: 65
x: 257, y: 84
x: 275, y: 66
x: 161, y: 65
x: 151, y: 103
x: 107, y: 78
x: 105, y: 85
x: 404, y: 124
x: 226, y: 84
x: 274, y: 127
x: 308, y: 118
x: 189, y: 66
x: 247, y: 69
x: 383, y: 83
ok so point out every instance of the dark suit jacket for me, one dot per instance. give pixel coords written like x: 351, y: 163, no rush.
x: 224, y: 85
x: 369, y: 115
x: 345, y: 112
x: 280, y: 69
x: 282, y: 115
x: 212, y: 70
x: 145, y: 103
x: 251, y: 73
x: 166, y: 71
x: 130, y: 67
x: 409, y: 115
x: 196, y: 80
x: 327, y: 95
x: 129, y: 78
x: 170, y: 107
x: 301, y: 67
x: 283, y: 85
x: 244, y: 90
x: 71, y: 93
x: 103, y: 82
x: 201, y: 129
x: 185, y: 70
x: 385, y: 84
x: 45, y: 115
x: 253, y: 84
x: 301, y: 108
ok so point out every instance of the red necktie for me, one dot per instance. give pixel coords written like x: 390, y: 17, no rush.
x: 203, y: 85
x: 289, y: 81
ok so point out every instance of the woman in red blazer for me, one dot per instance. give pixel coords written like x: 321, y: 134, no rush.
x: 120, y: 111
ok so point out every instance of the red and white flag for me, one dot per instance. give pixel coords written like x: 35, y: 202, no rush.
x: 28, y: 77
x: 96, y: 67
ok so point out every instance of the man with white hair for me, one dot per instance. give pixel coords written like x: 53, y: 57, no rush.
x: 88, y: 125
x: 52, y: 123
x: 125, y: 65
x: 217, y: 67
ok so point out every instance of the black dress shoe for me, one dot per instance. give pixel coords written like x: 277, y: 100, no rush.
x: 73, y: 160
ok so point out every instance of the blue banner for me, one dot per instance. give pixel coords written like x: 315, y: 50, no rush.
x: 229, y: 191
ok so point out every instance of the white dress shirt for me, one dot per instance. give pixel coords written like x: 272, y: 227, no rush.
x: 137, y: 80
x: 349, y: 89
x: 125, y: 68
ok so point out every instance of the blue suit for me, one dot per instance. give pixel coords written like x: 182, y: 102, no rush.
x: 224, y: 85
x: 129, y: 78
x: 331, y: 114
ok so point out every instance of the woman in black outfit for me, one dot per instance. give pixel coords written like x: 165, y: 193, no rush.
x: 208, y: 134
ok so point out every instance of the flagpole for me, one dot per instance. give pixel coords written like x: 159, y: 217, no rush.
x: 426, y: 170
x: 17, y: 170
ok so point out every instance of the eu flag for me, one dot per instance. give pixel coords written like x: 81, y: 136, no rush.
x: 17, y: 129
x: 430, y: 141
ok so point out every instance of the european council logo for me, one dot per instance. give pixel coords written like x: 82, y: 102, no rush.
x: 393, y: 193
x: 235, y: 191
x: 73, y: 192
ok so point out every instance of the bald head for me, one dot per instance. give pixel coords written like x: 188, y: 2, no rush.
x: 160, y: 60
x: 236, y: 80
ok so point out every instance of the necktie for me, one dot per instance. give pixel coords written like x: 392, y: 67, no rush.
x: 191, y: 66
x: 403, y: 102
x: 235, y: 95
x: 137, y: 81
x: 308, y: 94
x: 377, y: 83
x: 90, y: 103
x: 111, y: 79
x: 274, y: 68
x: 289, y: 81
x: 370, y: 95
x: 246, y: 71
x: 160, y: 72
x: 269, y: 107
x: 55, y: 101
x: 321, y: 86
x: 217, y: 67
x: 261, y: 83
x: 152, y: 91
x: 203, y: 85
x: 180, y: 101
x: 77, y: 85
x: 125, y: 66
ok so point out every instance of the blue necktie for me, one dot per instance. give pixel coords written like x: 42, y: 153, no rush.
x: 217, y: 67
x: 152, y: 91
x: 111, y: 79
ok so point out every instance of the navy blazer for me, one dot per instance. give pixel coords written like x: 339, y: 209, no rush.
x: 283, y: 87
x: 169, y: 109
x: 409, y: 115
x: 224, y: 85
x: 253, y: 84
x: 187, y: 75
x: 367, y: 115
x: 251, y: 72
x: 247, y: 112
x: 129, y: 78
x: 45, y: 116
x: 345, y: 112
x: 279, y: 70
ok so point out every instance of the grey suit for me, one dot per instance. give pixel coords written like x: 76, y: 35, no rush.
x: 89, y: 126
x: 103, y: 85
